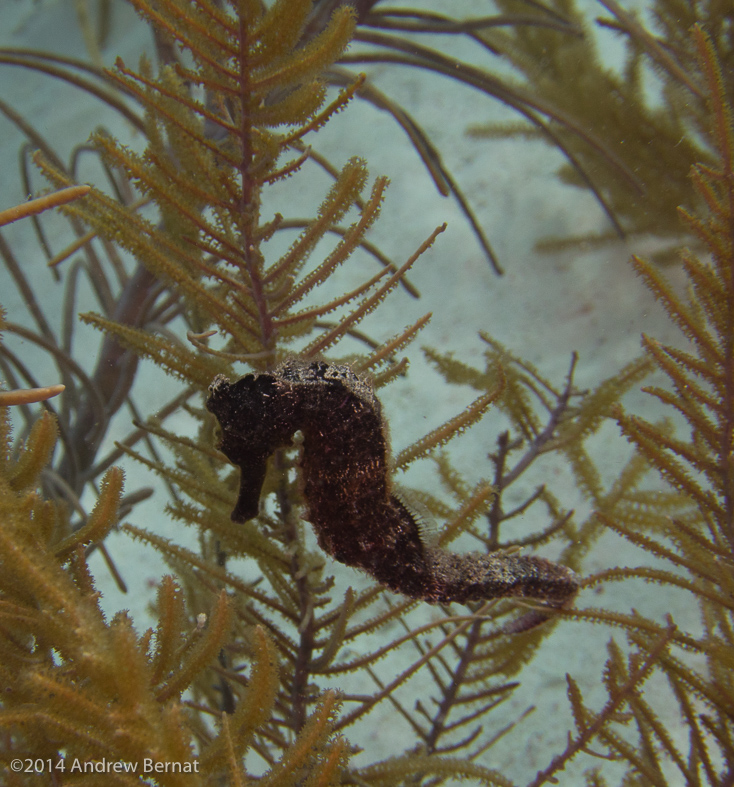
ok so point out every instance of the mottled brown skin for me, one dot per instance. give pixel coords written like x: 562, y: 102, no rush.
x: 344, y: 465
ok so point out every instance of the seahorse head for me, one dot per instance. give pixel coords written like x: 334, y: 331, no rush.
x: 257, y: 415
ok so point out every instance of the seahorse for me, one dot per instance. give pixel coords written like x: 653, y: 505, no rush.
x: 345, y: 472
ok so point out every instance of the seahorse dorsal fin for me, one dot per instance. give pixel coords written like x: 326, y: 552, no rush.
x: 427, y: 526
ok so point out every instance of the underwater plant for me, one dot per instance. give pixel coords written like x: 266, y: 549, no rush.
x: 644, y: 124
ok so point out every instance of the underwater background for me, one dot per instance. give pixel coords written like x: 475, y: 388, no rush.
x: 551, y: 301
